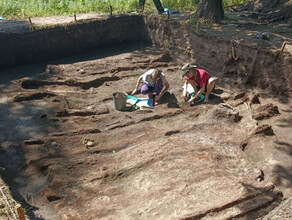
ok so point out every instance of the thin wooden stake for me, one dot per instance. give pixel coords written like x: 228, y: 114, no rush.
x: 30, y: 22
x: 111, y: 9
x: 283, y: 46
x: 167, y: 14
x: 198, y: 25
x: 142, y: 10
x: 20, y: 212
x: 75, y: 16
x: 233, y: 50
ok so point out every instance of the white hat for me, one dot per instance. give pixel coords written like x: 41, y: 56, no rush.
x: 186, y: 68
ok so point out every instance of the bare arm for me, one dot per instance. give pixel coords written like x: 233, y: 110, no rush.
x: 165, y: 88
x: 197, y: 95
x: 185, y: 91
x: 137, y: 85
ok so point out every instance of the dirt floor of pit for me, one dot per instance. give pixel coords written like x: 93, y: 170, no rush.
x: 69, y: 155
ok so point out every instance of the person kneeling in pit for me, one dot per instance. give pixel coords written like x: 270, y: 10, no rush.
x: 200, y: 80
x: 153, y: 81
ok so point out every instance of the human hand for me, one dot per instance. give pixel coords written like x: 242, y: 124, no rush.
x: 157, y: 98
x: 191, y: 101
x: 134, y: 91
x: 184, y: 96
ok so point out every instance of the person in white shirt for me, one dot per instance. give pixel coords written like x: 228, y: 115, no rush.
x: 153, y: 81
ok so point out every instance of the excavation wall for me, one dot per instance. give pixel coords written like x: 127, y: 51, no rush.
x: 259, y: 67
x: 56, y: 42
x: 255, y: 66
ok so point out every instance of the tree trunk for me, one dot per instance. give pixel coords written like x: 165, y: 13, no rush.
x: 211, y: 10
x: 157, y: 4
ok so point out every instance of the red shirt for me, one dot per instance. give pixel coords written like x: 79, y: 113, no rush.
x: 202, y: 77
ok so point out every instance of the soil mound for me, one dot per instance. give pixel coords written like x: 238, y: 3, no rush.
x: 270, y: 10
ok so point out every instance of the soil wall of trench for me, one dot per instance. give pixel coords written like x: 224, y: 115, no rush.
x: 66, y: 40
x: 265, y: 69
x: 262, y: 68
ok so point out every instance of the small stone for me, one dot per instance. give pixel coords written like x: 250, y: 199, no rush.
x: 90, y: 144
x: 54, y: 144
x: 85, y: 141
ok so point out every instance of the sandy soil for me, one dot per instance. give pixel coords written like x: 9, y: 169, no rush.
x: 21, y: 26
x: 68, y: 154
x: 228, y: 158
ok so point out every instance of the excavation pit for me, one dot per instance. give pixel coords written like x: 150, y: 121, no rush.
x: 68, y: 154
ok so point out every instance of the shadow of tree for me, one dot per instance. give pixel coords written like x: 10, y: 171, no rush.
x: 285, y: 122
x: 15, y: 127
x: 283, y: 176
x: 285, y: 147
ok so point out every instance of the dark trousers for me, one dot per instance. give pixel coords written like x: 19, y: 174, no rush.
x: 157, y: 3
x: 146, y: 89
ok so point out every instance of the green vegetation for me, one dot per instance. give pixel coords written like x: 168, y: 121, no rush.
x: 34, y: 8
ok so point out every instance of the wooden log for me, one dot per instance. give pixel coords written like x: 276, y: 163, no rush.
x: 283, y: 46
x: 234, y: 56
x: 20, y: 212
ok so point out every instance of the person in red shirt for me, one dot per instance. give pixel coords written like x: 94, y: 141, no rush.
x: 200, y: 80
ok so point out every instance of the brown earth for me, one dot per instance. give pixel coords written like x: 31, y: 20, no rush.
x: 68, y: 154
x: 173, y: 161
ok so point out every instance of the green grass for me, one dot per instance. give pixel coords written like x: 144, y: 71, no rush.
x: 33, y: 8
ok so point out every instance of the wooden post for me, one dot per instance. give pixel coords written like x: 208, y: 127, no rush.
x: 111, y: 10
x: 20, y: 212
x: 30, y: 22
x: 198, y: 25
x: 142, y: 10
x: 75, y: 16
x: 167, y: 14
x: 283, y: 46
x: 233, y: 51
